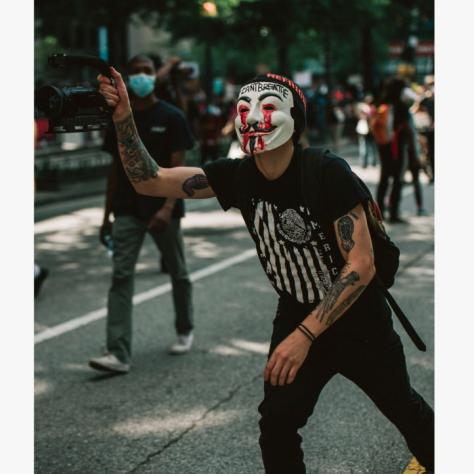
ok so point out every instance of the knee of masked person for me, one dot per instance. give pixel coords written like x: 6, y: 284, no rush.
x: 279, y: 422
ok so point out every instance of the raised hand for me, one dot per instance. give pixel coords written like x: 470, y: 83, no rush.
x: 116, y: 95
x: 160, y: 220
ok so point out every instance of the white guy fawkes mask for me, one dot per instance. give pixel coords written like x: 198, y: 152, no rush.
x: 264, y: 120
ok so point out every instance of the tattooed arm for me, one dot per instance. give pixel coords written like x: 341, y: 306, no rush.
x: 355, y: 244
x: 356, y: 247
x: 142, y: 170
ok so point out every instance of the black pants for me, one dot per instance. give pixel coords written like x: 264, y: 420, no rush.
x: 390, y: 168
x: 376, y: 363
x: 430, y: 150
x: 414, y: 167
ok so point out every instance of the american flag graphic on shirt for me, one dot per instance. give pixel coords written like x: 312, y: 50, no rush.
x: 294, y: 251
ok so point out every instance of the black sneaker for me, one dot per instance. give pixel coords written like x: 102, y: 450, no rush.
x: 39, y: 280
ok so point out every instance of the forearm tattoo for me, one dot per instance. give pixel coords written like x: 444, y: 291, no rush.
x: 335, y: 291
x: 345, y: 228
x: 339, y: 310
x: 137, y: 162
x: 198, y: 181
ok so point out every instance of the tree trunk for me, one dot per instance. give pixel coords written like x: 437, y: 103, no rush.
x: 282, y: 52
x: 118, y: 42
x: 328, y: 59
x: 208, y: 70
x: 367, y: 58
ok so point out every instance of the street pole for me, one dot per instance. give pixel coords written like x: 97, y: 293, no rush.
x: 208, y: 70
x: 208, y: 10
x: 367, y: 58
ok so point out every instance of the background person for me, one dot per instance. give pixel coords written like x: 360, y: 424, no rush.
x: 392, y: 132
x: 367, y: 149
x: 164, y: 130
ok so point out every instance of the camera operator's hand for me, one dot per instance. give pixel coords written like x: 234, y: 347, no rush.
x: 174, y: 60
x: 115, y: 96
x: 166, y: 70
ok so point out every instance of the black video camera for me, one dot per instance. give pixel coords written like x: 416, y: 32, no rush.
x: 74, y: 108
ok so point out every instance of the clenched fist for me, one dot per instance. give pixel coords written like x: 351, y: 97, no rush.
x: 116, y: 95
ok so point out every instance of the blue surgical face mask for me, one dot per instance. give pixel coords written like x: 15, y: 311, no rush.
x: 141, y: 84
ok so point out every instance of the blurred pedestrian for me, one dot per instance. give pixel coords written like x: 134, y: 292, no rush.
x: 428, y: 105
x: 414, y: 167
x: 170, y: 78
x: 166, y: 134
x: 390, y: 126
x: 332, y: 316
x: 413, y: 154
x: 424, y: 127
x: 41, y: 274
x: 336, y: 117
x: 210, y: 124
x: 228, y: 130
x: 317, y: 99
x: 367, y: 149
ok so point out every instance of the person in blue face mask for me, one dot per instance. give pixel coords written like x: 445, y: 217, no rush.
x: 142, y: 84
x: 167, y: 135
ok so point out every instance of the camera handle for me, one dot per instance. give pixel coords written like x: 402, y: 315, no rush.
x: 63, y: 61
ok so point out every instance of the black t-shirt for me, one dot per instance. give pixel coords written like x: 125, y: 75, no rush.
x: 163, y: 130
x: 297, y: 249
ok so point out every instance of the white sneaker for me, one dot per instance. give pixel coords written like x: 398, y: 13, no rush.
x: 182, y: 345
x: 109, y: 363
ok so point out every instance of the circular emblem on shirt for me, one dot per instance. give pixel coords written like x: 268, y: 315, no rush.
x: 293, y: 227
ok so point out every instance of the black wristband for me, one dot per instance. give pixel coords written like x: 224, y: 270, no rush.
x: 306, y: 332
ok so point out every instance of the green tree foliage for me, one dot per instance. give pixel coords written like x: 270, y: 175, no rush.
x: 343, y: 36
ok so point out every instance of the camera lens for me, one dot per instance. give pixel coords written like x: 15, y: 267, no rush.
x: 49, y: 100
x: 54, y: 102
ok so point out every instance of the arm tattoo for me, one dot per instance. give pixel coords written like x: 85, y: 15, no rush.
x: 339, y: 310
x: 335, y: 291
x: 198, y: 181
x: 345, y: 227
x: 137, y: 162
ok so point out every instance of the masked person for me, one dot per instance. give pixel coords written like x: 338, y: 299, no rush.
x: 331, y: 317
x: 166, y: 134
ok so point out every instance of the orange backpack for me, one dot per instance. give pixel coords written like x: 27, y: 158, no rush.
x: 381, y: 124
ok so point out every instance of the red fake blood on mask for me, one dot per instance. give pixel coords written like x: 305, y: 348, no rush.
x: 268, y: 110
x: 243, y: 112
x: 267, y: 115
x: 245, y: 142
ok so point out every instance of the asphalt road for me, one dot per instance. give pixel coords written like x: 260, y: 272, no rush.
x: 198, y: 413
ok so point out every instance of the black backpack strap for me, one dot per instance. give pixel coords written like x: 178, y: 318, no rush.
x: 243, y: 178
x: 311, y: 178
x: 414, y: 336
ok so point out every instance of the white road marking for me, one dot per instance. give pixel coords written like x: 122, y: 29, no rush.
x: 88, y: 318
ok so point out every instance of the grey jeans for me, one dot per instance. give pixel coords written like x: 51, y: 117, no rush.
x: 128, y: 234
